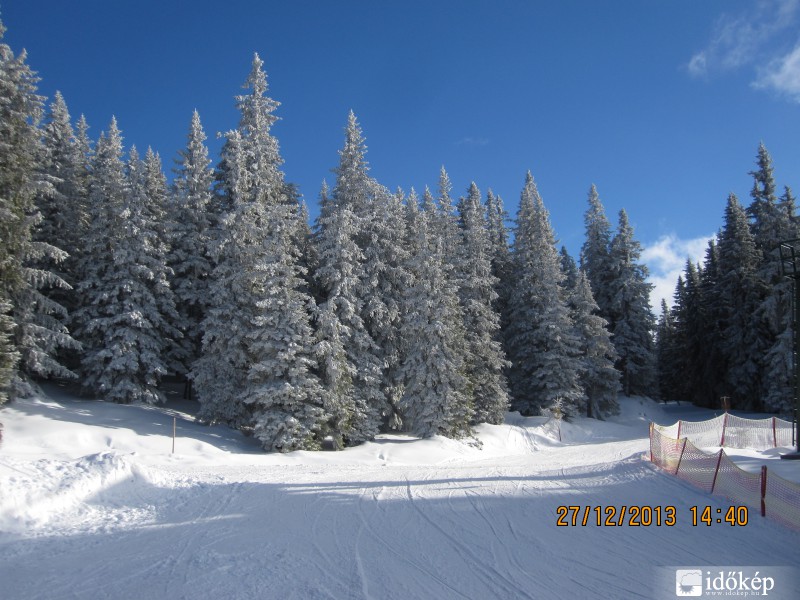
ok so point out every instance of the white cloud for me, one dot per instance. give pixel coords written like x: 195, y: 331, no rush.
x: 472, y: 142
x: 698, y: 65
x: 758, y: 35
x: 782, y: 75
x: 666, y: 259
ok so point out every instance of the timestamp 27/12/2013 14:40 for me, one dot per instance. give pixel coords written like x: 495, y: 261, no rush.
x: 646, y: 516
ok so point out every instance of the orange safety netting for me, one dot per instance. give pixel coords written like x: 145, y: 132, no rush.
x: 716, y: 473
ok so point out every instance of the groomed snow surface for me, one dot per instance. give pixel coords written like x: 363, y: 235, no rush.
x: 94, y: 505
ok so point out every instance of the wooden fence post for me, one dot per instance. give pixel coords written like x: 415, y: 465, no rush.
x: 774, y: 434
x: 724, y: 425
x: 680, y: 458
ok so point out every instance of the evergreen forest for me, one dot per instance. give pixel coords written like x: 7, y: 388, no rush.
x: 427, y: 312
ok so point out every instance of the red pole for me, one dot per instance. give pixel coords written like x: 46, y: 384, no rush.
x: 763, y: 490
x: 719, y: 460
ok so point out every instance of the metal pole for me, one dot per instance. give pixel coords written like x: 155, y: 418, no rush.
x: 796, y: 323
x: 789, y: 267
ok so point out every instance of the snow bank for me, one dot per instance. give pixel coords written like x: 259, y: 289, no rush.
x: 34, y: 493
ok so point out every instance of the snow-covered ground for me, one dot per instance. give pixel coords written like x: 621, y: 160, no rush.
x: 94, y: 505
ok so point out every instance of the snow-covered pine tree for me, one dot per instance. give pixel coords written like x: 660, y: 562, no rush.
x: 773, y: 221
x: 107, y: 196
x: 191, y: 222
x: 304, y: 241
x: 436, y: 399
x: 485, y: 359
x: 667, y: 374
x: 20, y: 110
x: 444, y: 223
x: 764, y: 211
x: 158, y: 249
x: 9, y: 357
x: 595, y: 258
x: 599, y: 378
x: 17, y: 163
x: 62, y: 201
x: 381, y: 238
x: 26, y: 260
x: 41, y: 331
x: 129, y: 309
x: 540, y: 340
x: 739, y: 295
x: 631, y: 320
x: 218, y: 376
x: 350, y: 369
x: 570, y: 269
x: 710, y: 385
x: 257, y: 369
x: 689, y: 328
x: 496, y: 217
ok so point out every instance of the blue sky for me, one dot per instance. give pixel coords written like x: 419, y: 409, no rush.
x: 660, y: 103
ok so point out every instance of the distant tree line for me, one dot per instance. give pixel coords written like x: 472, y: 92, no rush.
x: 393, y: 312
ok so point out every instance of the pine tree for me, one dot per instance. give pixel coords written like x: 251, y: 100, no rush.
x: 668, y: 374
x: 17, y: 152
x: 192, y: 222
x: 540, y: 341
x: 436, y: 399
x: 688, y: 337
x: 595, y: 256
x: 444, y: 223
x: 485, y: 359
x: 63, y: 199
x: 570, y: 269
x: 129, y: 309
x: 738, y: 290
x: 351, y: 371
x: 710, y: 385
x: 107, y: 198
x: 379, y: 232
x: 304, y: 240
x: 764, y: 210
x: 257, y: 369
x: 599, y: 378
x: 773, y: 221
x: 38, y: 331
x: 630, y: 319
x: 496, y: 217
x: 777, y: 310
x: 158, y: 250
x: 9, y: 357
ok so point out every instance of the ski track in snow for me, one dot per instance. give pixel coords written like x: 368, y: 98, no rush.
x: 107, y: 513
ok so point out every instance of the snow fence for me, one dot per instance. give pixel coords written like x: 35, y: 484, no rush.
x: 733, y: 432
x: 716, y: 473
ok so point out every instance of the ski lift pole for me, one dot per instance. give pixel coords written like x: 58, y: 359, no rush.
x: 789, y: 250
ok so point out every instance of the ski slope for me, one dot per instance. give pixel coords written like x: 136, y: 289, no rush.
x: 94, y: 505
